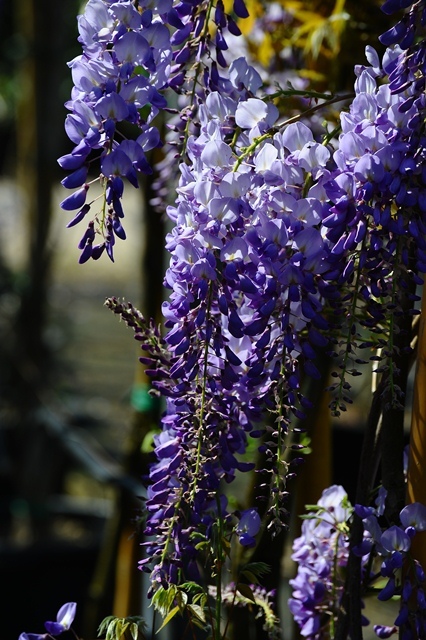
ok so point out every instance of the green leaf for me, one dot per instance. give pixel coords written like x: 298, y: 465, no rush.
x: 182, y: 599
x: 120, y: 629
x: 259, y: 569
x: 249, y: 576
x: 197, y: 611
x: 115, y: 628
x: 200, y: 545
x: 163, y: 599
x: 246, y: 591
x: 167, y: 619
x: 102, y: 629
x: 192, y: 588
x: 226, y: 545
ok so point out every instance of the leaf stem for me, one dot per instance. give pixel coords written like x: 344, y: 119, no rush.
x: 202, y: 402
x: 275, y: 129
x: 288, y: 93
x: 308, y: 112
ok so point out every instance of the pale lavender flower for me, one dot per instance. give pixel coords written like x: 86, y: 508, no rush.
x: 64, y: 619
x: 321, y: 553
x: 414, y: 515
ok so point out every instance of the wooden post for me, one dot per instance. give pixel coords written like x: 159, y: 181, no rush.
x: 416, y: 481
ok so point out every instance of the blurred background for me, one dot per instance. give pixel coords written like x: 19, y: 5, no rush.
x: 74, y: 407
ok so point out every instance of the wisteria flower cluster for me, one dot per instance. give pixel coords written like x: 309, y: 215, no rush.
x: 243, y: 295
x: 265, y: 222
x: 125, y: 63
x: 129, y: 56
x: 287, y: 246
x: 404, y: 574
x: 321, y: 554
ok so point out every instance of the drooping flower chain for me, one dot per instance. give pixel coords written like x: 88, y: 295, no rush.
x: 405, y: 576
x: 266, y: 227
x: 129, y: 56
x: 322, y: 551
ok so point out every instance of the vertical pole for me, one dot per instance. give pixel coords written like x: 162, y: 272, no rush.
x: 416, y: 481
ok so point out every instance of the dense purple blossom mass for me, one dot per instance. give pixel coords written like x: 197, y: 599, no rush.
x: 265, y: 223
x: 129, y: 56
x: 285, y: 246
x: 125, y: 63
x: 393, y: 546
x: 322, y: 551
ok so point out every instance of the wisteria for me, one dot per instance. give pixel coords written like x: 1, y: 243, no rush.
x: 290, y: 244
x: 125, y: 63
x: 129, y: 56
x: 64, y: 619
x: 321, y: 553
x: 392, y: 546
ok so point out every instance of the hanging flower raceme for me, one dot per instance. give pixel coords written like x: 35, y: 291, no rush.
x: 129, y: 56
x: 272, y: 233
x: 118, y: 78
x: 321, y: 553
x: 405, y: 576
x: 375, y: 220
x: 249, y: 273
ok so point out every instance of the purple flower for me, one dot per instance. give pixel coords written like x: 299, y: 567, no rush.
x: 240, y: 9
x: 248, y: 527
x: 76, y: 178
x: 414, y: 515
x: 116, y: 163
x: 253, y: 111
x: 112, y: 106
x: 64, y: 619
x: 76, y: 200
x: 388, y: 590
x: 395, y: 539
x: 126, y: 60
x: 384, y: 632
x: 132, y: 47
x: 318, y: 551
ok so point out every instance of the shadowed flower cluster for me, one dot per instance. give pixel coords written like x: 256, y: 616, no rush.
x: 405, y: 576
x: 321, y: 553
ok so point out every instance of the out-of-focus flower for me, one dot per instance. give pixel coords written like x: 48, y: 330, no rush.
x: 248, y: 527
x: 64, y: 619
